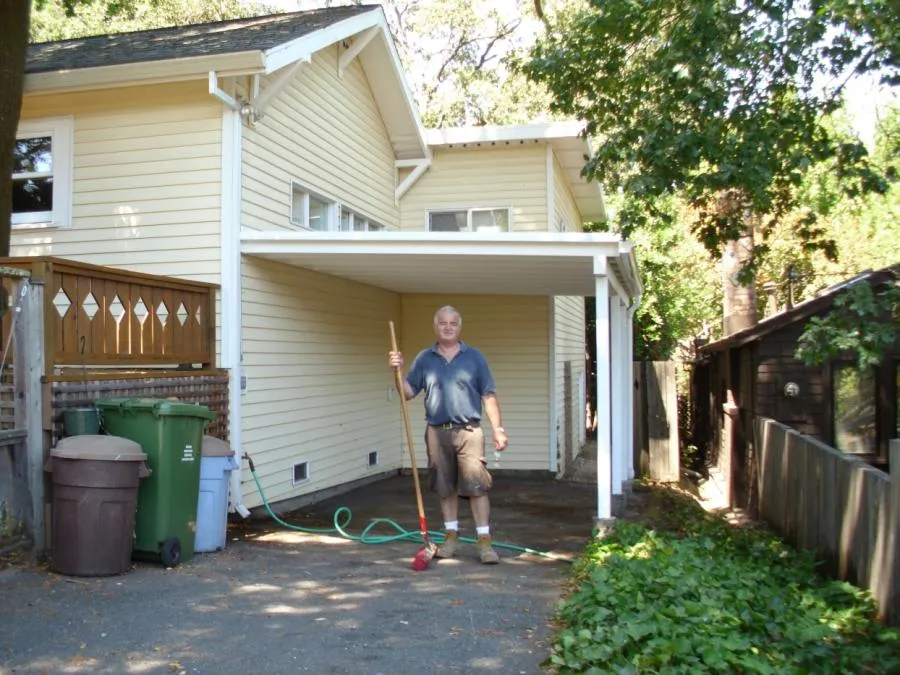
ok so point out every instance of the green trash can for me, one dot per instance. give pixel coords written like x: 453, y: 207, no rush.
x: 171, y: 435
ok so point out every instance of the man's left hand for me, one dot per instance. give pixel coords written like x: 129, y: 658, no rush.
x: 500, y: 440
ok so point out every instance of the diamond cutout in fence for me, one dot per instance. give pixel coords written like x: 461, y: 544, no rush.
x: 90, y: 306
x: 162, y: 312
x: 62, y: 303
x: 198, y: 314
x: 141, y: 311
x: 181, y: 314
x: 117, y: 309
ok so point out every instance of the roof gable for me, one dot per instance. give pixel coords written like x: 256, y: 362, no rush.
x: 254, y: 46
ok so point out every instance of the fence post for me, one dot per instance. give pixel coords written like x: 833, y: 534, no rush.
x: 29, y: 365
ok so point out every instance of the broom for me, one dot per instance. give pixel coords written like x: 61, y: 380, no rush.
x: 423, y: 557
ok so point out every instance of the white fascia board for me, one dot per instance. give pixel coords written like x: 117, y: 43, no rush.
x: 284, y: 54
x: 572, y: 244
x: 148, y: 72
x: 628, y: 265
x: 513, y: 132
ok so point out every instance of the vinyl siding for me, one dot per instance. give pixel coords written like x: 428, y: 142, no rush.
x: 315, y: 356
x: 566, y: 210
x: 512, y: 332
x: 325, y: 133
x: 514, y: 176
x: 569, y: 341
x: 146, y: 180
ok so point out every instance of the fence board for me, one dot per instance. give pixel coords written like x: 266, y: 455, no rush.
x: 656, y: 436
x: 843, y: 509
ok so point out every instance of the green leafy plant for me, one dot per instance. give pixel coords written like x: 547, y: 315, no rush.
x: 862, y: 321
x: 704, y: 597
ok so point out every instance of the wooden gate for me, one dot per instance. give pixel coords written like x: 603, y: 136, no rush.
x: 656, y: 453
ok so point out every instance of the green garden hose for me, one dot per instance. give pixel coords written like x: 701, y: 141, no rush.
x: 343, y: 515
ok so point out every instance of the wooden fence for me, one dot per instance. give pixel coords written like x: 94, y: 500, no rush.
x: 836, y: 505
x: 101, y: 316
x: 82, y: 332
x: 656, y: 453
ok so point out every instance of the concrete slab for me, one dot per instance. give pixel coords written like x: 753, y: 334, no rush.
x: 283, y: 601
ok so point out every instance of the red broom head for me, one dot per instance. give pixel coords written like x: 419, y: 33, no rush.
x: 423, y: 558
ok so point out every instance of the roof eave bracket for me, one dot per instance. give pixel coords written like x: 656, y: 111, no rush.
x: 420, y: 167
x: 354, y: 49
x: 275, y: 87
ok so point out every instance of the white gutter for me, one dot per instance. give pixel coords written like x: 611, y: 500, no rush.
x: 629, y: 336
x: 230, y: 302
x: 148, y: 72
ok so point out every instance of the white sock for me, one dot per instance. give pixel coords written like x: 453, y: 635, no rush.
x: 486, y: 529
x: 452, y: 525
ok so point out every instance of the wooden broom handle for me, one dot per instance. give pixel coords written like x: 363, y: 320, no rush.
x: 398, y: 382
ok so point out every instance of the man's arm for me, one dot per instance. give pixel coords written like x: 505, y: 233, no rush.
x: 492, y: 410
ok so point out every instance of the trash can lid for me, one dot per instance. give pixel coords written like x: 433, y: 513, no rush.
x: 216, y: 447
x: 101, y: 447
x: 156, y: 406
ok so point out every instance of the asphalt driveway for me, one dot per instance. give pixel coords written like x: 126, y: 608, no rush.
x: 281, y: 601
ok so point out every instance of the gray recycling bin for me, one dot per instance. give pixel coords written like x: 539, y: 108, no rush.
x: 95, y: 482
x: 217, y: 461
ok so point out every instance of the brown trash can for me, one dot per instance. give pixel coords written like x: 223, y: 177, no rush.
x: 95, y: 482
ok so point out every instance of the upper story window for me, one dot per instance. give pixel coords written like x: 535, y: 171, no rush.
x: 469, y: 220
x: 42, y: 173
x: 317, y: 212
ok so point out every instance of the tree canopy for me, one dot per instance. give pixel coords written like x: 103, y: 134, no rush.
x: 718, y: 101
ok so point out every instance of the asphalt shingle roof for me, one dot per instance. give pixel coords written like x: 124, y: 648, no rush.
x: 207, y: 39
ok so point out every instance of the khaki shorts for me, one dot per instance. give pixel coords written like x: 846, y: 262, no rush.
x: 456, y: 464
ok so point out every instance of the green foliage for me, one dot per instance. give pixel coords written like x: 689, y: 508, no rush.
x: 862, y: 321
x: 64, y: 19
x: 681, y: 294
x: 708, y: 598
x: 717, y: 101
x: 456, y: 55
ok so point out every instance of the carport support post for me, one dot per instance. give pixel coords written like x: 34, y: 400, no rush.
x: 618, y: 407
x: 604, y: 417
x: 29, y: 369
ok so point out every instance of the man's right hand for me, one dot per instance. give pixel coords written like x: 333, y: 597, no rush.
x: 395, y: 359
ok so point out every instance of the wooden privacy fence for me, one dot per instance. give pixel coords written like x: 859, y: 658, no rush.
x: 656, y: 453
x: 843, y: 509
x: 100, y: 316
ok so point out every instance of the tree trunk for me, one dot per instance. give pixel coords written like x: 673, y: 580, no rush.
x: 739, y: 306
x: 13, y: 50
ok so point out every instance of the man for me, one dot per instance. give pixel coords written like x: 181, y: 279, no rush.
x: 457, y: 382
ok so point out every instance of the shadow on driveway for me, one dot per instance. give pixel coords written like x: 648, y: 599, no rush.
x: 281, y: 601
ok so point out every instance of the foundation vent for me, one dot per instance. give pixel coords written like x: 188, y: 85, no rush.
x: 372, y: 459
x: 300, y: 473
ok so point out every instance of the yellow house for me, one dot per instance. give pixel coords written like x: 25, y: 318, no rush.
x: 283, y: 158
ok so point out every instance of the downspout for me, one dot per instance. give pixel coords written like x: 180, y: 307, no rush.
x: 232, y: 138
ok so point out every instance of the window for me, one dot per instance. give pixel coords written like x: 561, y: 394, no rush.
x: 353, y: 222
x: 42, y: 173
x: 311, y: 210
x: 854, y: 409
x: 316, y: 212
x: 469, y: 220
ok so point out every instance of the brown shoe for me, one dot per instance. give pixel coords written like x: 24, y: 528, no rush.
x: 450, y: 546
x: 486, y: 551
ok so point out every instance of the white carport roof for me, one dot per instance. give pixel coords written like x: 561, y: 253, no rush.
x: 538, y: 263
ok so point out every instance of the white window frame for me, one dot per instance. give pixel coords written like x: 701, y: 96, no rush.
x: 61, y: 131
x: 302, y: 219
x: 357, y: 222
x: 469, y: 210
x: 334, y: 212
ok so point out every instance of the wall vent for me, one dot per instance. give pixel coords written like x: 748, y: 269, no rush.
x: 300, y: 473
x: 373, y: 459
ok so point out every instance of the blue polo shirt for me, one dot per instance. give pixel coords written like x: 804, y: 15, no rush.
x: 453, y: 390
